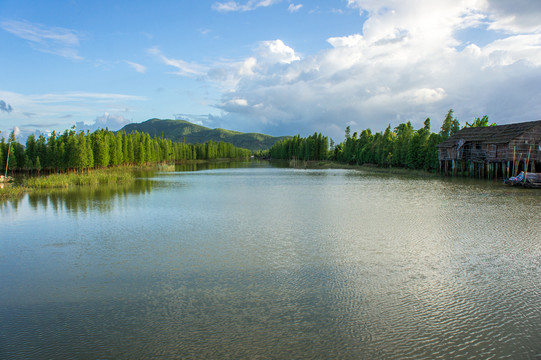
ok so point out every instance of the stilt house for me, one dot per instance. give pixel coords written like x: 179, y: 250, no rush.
x: 493, y: 151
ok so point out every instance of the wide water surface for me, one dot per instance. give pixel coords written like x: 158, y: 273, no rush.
x: 260, y: 262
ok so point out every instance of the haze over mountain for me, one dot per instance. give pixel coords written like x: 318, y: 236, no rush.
x: 185, y: 131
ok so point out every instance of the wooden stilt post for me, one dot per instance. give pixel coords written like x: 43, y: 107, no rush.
x: 527, y: 163
x: 514, y: 160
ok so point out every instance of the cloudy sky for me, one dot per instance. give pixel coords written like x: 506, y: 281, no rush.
x: 280, y: 67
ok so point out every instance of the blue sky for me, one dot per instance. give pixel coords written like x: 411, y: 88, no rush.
x: 279, y: 67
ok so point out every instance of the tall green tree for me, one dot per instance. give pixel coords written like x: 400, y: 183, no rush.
x: 450, y: 125
x: 31, y: 150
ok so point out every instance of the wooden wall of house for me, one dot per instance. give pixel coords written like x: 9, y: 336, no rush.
x: 447, y: 153
x: 489, y: 160
x: 527, y: 144
x: 502, y: 151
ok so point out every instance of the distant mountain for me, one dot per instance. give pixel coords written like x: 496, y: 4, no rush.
x: 181, y: 130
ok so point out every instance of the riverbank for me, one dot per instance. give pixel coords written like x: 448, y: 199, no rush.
x: 125, y: 174
x: 365, y: 167
x: 93, y: 177
x: 118, y: 175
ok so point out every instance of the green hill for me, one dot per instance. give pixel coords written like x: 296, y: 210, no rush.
x: 181, y: 130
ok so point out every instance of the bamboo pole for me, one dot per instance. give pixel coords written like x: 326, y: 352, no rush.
x: 527, y: 163
x: 514, y: 160
x: 517, y: 163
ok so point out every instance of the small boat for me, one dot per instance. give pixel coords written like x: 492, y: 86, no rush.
x: 528, y: 180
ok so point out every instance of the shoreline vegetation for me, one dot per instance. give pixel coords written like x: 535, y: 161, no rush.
x: 101, y: 157
x: 118, y: 175
x: 106, y: 157
x: 402, y: 147
x: 80, y: 151
x: 126, y: 174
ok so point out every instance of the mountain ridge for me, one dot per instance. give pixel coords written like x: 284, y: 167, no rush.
x: 185, y: 131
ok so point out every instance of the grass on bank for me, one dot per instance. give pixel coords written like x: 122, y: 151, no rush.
x: 8, y: 191
x: 93, y: 177
x: 66, y: 180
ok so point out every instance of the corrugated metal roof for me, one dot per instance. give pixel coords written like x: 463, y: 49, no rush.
x: 500, y: 134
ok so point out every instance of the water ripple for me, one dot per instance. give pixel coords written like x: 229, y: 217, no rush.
x: 275, y: 264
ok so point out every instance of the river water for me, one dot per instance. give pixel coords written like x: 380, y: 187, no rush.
x: 261, y: 262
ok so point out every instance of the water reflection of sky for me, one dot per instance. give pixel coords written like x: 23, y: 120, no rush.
x: 254, y: 259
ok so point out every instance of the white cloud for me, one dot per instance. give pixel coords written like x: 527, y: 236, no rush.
x: 194, y: 119
x: 248, y: 6
x: 275, y: 51
x: 294, y: 8
x: 238, y: 102
x: 514, y: 16
x: 22, y: 101
x: 82, y: 96
x: 514, y: 49
x: 184, y: 68
x: 137, y: 67
x: 345, y: 41
x: 53, y: 40
x: 247, y: 67
x: 427, y: 96
x: 406, y: 65
x: 59, y: 111
x: 112, y: 122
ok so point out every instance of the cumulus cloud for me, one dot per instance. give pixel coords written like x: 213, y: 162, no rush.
x: 53, y: 40
x: 269, y: 55
x: 514, y: 16
x: 406, y: 65
x: 111, y: 121
x: 276, y: 51
x: 5, y: 107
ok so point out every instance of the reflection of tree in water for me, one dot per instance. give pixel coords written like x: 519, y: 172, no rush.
x: 13, y: 202
x: 84, y: 198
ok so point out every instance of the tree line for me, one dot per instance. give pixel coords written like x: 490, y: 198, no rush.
x: 313, y: 147
x: 402, y: 146
x: 104, y: 148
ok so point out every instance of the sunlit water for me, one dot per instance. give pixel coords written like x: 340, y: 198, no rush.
x: 273, y: 263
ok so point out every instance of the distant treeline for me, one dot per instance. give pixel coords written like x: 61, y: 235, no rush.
x: 313, y: 147
x: 104, y: 148
x: 402, y: 146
